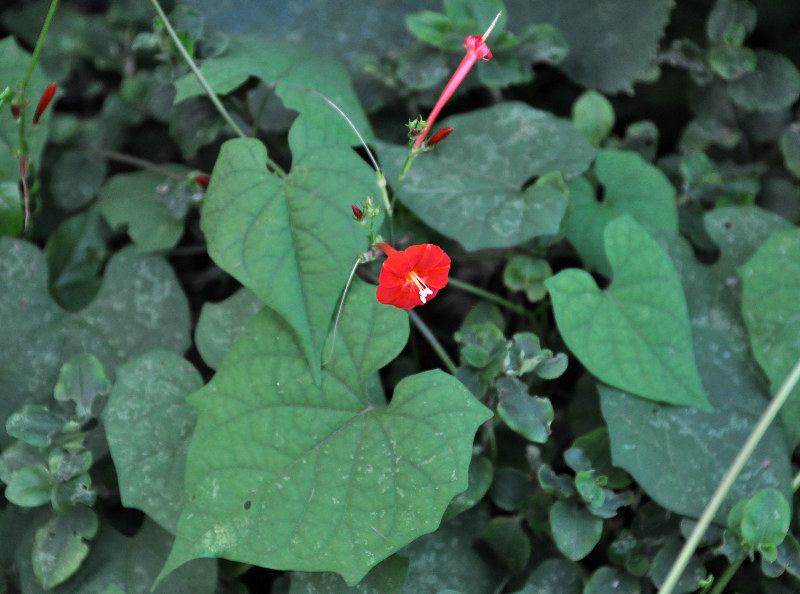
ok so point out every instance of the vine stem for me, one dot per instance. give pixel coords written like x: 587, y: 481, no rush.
x: 204, y: 83
x: 135, y: 161
x: 518, y: 309
x: 435, y: 344
x: 193, y: 67
x: 730, y: 477
x: 39, y: 43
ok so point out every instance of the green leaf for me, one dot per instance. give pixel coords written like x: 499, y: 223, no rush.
x: 774, y: 85
x: 30, y: 486
x: 76, y: 177
x: 554, y: 575
x: 140, y: 306
x: 510, y: 488
x: 680, y: 454
x: 292, y: 241
x: 525, y: 414
x: 15, y: 63
x: 575, y: 530
x: 148, y: 425
x: 593, y: 115
x: 34, y: 425
x: 524, y: 355
x: 139, y: 201
x: 195, y: 123
x: 83, y: 380
x: 611, y: 43
x: 630, y: 186
x: 387, y: 577
x: 446, y: 559
x: 220, y: 324
x: 338, y: 482
x: 790, y: 148
x: 770, y: 293
x: 523, y: 273
x: 481, y: 472
x: 76, y: 253
x: 635, y: 334
x: 298, y: 75
x: 508, y: 542
x: 692, y: 575
x: 59, y: 547
x: 11, y: 215
x: 119, y: 563
x: 454, y: 189
x: 765, y: 519
x: 610, y: 579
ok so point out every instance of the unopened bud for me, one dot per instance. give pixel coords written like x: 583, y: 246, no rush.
x: 47, y: 96
x: 357, y: 212
x: 440, y: 135
x: 15, y: 111
x: 202, y: 180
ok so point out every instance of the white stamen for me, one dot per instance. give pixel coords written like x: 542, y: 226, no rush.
x: 423, y: 293
x: 485, y: 36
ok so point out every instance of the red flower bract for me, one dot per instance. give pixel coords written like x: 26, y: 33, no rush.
x: 412, y: 276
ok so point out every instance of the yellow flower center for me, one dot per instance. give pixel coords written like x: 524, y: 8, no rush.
x: 424, y: 291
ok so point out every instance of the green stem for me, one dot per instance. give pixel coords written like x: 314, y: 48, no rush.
x: 193, y: 67
x: 136, y: 162
x: 435, y: 344
x: 518, y: 309
x: 39, y: 43
x: 727, y: 575
x: 727, y: 481
x: 341, y: 306
x: 796, y: 483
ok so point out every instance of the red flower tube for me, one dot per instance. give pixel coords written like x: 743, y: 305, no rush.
x: 476, y: 50
x: 412, y: 276
x: 47, y: 97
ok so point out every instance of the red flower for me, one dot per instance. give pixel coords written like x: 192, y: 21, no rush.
x: 413, y: 276
x: 476, y: 50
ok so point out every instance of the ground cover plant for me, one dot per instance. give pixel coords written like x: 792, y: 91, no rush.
x: 471, y: 296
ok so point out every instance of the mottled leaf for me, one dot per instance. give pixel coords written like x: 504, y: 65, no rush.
x: 140, y: 306
x: 475, y: 187
x: 148, y: 426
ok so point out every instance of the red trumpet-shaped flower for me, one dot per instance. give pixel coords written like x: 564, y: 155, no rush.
x: 412, y: 276
x: 476, y: 50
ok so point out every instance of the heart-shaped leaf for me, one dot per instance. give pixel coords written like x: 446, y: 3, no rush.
x: 292, y: 241
x: 140, y: 307
x: 148, y: 425
x: 682, y: 453
x: 475, y: 186
x: 630, y: 186
x: 336, y: 481
x: 635, y: 334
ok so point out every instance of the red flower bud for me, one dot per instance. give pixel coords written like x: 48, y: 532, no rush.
x: 357, y: 212
x: 47, y: 96
x: 15, y: 110
x: 202, y: 180
x: 440, y: 135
